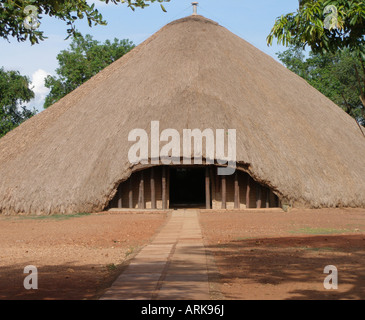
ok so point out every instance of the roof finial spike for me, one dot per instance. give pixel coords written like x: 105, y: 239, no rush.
x: 195, y: 7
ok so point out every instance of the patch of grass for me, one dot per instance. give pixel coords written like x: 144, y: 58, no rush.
x: 129, y: 251
x: 321, y: 231
x: 50, y: 217
x: 111, y: 267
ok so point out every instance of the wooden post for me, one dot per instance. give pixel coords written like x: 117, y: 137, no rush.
x: 207, y: 188
x: 248, y: 191
x: 268, y: 197
x: 224, y: 193
x: 164, y: 188
x: 276, y: 201
x: 141, y: 204
x: 258, y: 196
x: 130, y: 193
x: 120, y: 204
x: 236, y: 192
x: 153, y: 189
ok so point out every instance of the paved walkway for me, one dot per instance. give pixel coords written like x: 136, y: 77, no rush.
x: 172, y: 267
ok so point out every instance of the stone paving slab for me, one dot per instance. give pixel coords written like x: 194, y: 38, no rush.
x: 173, y: 266
x: 133, y: 287
x: 143, y: 268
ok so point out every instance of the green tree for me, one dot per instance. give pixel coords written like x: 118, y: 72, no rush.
x: 14, y: 14
x: 327, y: 26
x: 333, y: 74
x: 85, y: 58
x: 307, y: 26
x: 14, y: 92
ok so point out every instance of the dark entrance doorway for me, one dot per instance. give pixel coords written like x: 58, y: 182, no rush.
x: 187, y: 187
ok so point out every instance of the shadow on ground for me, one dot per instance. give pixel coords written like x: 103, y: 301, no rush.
x: 291, y: 267
x: 266, y: 268
x: 60, y: 282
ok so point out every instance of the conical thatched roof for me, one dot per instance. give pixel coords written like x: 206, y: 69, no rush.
x: 193, y: 73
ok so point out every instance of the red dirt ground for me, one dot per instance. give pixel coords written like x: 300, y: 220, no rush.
x: 283, y: 255
x: 266, y: 255
x: 76, y: 258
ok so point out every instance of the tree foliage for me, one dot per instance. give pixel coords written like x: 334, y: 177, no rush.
x: 14, y: 93
x: 328, y: 27
x: 339, y: 76
x: 13, y: 13
x: 85, y: 58
x: 307, y: 27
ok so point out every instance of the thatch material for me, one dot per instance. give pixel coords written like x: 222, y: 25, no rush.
x: 193, y: 73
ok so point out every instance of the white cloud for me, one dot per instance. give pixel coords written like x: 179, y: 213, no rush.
x: 40, y: 91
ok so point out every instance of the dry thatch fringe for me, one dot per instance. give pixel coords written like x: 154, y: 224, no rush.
x: 192, y: 73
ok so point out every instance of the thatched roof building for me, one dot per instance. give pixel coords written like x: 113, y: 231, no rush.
x: 292, y: 141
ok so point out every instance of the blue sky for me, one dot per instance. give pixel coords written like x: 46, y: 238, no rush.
x: 251, y: 20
